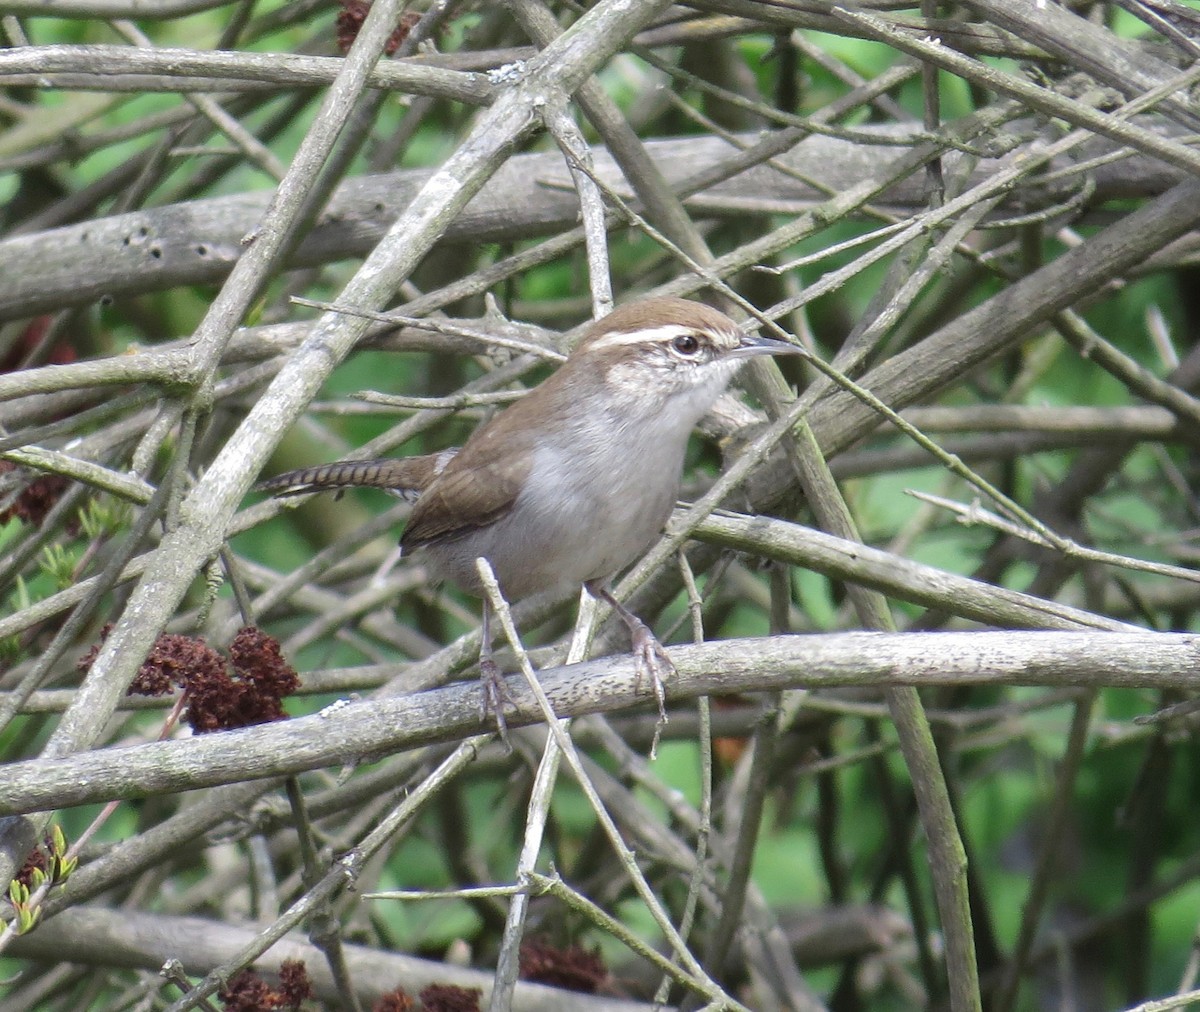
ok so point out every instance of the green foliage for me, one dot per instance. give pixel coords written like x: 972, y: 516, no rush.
x: 102, y: 517
x: 58, y: 565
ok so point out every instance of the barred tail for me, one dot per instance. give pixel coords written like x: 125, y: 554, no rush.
x: 406, y: 477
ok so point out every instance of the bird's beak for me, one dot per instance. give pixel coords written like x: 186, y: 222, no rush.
x: 752, y: 344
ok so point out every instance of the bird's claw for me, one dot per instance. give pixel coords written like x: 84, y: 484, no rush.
x: 651, y: 662
x: 495, y: 697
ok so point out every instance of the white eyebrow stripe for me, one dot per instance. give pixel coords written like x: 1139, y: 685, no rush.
x: 642, y: 335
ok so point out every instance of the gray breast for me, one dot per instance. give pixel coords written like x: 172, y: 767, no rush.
x: 585, y: 513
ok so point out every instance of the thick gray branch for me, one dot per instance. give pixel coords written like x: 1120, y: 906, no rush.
x: 361, y: 730
x: 182, y: 70
x: 198, y: 242
x: 141, y: 941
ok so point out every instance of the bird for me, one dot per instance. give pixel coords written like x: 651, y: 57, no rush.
x: 573, y: 482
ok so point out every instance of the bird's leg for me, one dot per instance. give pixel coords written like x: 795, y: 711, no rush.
x: 650, y: 660
x: 495, y: 689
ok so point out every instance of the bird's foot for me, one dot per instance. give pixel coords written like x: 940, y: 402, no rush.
x: 495, y: 697
x: 651, y: 661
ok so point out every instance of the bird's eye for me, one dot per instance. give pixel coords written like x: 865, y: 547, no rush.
x: 686, y: 344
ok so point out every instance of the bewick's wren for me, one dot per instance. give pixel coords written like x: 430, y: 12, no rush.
x: 574, y: 481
